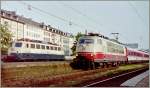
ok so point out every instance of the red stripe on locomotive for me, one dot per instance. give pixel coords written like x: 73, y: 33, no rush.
x: 99, y: 55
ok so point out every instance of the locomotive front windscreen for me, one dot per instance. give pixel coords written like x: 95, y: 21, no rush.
x: 86, y: 41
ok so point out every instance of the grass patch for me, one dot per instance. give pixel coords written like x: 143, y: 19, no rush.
x: 57, y: 75
x: 36, y: 71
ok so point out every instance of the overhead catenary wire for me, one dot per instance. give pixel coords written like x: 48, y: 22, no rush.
x: 139, y: 16
x: 61, y: 18
x: 82, y: 14
x: 52, y: 15
x: 137, y: 12
x: 91, y: 19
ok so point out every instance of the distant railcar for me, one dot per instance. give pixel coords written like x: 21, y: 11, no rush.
x: 134, y: 55
x: 27, y: 50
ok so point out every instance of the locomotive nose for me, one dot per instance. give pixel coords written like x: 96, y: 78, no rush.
x: 86, y: 52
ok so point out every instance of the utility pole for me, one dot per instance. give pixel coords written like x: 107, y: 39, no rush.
x: 141, y: 42
x: 85, y: 32
x: 70, y: 23
x: 115, y: 35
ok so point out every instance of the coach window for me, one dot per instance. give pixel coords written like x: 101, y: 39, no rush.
x: 133, y: 53
x: 38, y: 46
x: 147, y: 56
x: 18, y: 44
x: 43, y: 47
x: 99, y: 41
x: 121, y: 50
x: 51, y: 48
x: 32, y: 45
x: 47, y: 47
x: 55, y: 48
x: 114, y: 50
x: 27, y: 45
x: 130, y: 53
x: 59, y: 49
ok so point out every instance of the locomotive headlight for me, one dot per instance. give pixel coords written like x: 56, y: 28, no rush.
x: 76, y: 54
x: 92, y: 54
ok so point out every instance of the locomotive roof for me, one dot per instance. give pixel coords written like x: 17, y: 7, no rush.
x: 135, y: 50
x: 105, y: 38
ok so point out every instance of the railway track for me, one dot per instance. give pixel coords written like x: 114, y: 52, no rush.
x: 116, y: 80
x: 41, y: 81
x: 45, y: 77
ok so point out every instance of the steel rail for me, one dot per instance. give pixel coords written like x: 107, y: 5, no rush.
x: 112, y: 78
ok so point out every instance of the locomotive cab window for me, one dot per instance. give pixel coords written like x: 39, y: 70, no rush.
x: 86, y: 41
x: 18, y: 45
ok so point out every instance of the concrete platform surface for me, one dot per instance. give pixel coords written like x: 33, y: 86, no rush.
x: 144, y: 82
x: 141, y: 80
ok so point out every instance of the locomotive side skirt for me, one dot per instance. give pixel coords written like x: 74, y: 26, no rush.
x: 35, y: 56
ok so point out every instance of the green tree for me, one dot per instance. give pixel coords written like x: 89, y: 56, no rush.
x: 6, y: 38
x: 79, y: 34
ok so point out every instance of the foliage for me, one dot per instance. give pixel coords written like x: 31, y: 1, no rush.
x: 74, y: 46
x: 6, y: 38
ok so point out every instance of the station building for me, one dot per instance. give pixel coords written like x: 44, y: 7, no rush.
x: 23, y: 28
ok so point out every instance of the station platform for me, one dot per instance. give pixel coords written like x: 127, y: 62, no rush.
x: 141, y: 80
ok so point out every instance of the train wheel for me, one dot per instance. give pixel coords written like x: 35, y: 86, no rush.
x: 113, y: 64
x: 97, y: 65
x: 103, y: 65
x: 107, y: 65
x: 91, y: 65
x: 85, y: 66
x: 118, y: 63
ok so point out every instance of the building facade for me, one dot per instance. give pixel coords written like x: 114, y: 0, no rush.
x: 23, y: 28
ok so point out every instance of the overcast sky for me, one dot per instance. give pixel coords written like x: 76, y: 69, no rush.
x: 129, y: 18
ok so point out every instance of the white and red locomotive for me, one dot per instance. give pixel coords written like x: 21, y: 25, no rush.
x: 94, y: 50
